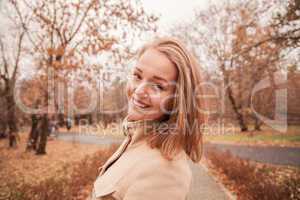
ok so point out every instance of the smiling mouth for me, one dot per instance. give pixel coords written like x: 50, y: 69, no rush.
x: 139, y: 104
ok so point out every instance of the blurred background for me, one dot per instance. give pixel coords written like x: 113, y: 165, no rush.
x: 63, y: 71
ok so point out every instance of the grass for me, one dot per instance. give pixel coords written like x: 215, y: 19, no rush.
x: 266, y: 136
x: 256, y: 138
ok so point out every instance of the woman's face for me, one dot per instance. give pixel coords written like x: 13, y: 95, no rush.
x: 151, y: 88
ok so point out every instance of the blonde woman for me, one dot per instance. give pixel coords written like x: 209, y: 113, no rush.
x: 161, y: 128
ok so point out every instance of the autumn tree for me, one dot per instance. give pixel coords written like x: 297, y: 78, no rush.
x: 240, y: 41
x: 82, y: 99
x: 114, y: 102
x: 66, y: 36
x: 286, y: 23
x: 11, y: 53
x: 31, y: 94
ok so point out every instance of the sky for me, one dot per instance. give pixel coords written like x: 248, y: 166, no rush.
x: 173, y: 11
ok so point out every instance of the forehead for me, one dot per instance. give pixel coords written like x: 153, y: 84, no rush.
x: 154, y: 63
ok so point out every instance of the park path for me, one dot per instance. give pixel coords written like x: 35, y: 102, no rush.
x: 204, y: 185
x: 265, y: 154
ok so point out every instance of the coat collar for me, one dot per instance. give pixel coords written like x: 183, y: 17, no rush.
x: 134, y: 131
x: 137, y: 130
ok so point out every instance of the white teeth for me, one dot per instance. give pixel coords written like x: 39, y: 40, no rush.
x: 139, y: 104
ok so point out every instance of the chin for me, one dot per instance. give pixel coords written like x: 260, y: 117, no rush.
x: 137, y: 113
x: 134, y: 116
x: 137, y: 116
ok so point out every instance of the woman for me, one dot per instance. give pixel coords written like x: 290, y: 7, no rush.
x: 162, y: 128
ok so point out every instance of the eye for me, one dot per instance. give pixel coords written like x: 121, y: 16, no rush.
x: 136, y: 76
x: 158, y: 86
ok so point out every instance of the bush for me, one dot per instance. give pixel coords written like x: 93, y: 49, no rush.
x: 255, y: 181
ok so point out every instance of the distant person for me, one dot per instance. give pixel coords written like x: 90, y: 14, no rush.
x: 69, y: 124
x: 161, y: 128
x: 50, y: 125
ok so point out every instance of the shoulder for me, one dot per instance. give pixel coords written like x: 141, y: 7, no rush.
x: 154, y: 177
x: 151, y: 176
x: 153, y: 164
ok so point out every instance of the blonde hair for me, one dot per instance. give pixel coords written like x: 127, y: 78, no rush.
x: 185, y: 105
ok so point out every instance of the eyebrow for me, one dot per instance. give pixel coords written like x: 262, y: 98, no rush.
x: 154, y: 77
x: 159, y: 78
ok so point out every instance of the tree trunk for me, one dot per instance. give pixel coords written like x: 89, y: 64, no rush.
x: 3, y: 117
x: 257, y: 124
x: 34, y: 133
x: 11, y: 119
x: 239, y: 115
x: 44, y: 131
x: 61, y: 119
x: 90, y: 119
x: 242, y: 123
x: 3, y: 127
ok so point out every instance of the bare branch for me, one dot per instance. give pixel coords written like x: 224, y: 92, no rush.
x: 81, y: 21
x: 5, y: 63
x: 20, y: 41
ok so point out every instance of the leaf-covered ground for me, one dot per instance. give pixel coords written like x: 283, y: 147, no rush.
x: 252, y: 180
x: 19, y: 166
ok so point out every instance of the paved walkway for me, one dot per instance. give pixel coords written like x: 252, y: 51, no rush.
x: 88, y: 139
x: 265, y: 154
x: 204, y: 185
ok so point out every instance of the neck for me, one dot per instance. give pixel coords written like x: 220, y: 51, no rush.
x: 138, y: 129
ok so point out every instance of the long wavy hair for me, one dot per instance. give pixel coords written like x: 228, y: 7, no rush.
x: 186, y: 111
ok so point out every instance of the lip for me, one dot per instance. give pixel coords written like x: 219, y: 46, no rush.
x: 139, y: 103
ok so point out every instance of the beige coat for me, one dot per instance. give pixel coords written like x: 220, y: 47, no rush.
x: 137, y: 172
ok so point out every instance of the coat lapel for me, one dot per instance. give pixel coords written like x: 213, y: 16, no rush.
x: 116, y: 155
x: 133, y: 130
x: 108, y: 182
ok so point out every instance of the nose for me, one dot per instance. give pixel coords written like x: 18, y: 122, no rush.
x: 141, y: 90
